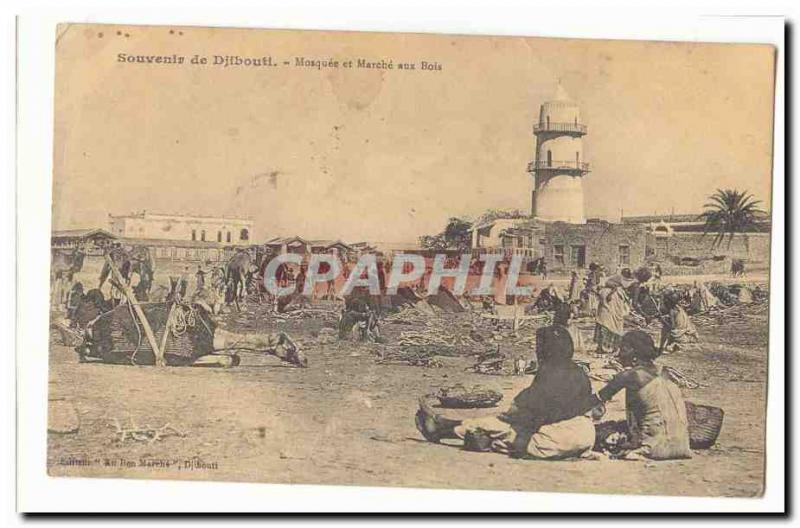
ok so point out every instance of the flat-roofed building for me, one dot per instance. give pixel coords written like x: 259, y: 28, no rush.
x: 196, y: 228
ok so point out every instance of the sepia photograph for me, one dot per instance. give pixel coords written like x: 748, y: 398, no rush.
x: 408, y: 260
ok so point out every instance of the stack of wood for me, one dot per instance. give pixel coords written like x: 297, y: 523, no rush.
x: 679, y: 378
x: 723, y: 293
x: 730, y: 314
x: 637, y: 320
x: 408, y: 315
x: 308, y: 313
x: 327, y: 336
x: 426, y: 337
x: 413, y: 357
x: 490, y: 362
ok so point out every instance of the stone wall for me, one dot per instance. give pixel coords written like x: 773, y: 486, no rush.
x: 752, y: 247
x: 603, y: 243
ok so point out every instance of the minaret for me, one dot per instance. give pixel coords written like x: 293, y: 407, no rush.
x: 559, y: 168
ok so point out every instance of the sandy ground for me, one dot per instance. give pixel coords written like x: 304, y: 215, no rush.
x: 348, y: 419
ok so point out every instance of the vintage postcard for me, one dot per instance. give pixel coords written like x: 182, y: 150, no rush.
x: 410, y: 260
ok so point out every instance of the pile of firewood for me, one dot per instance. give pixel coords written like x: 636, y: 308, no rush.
x: 408, y: 356
x: 408, y: 315
x: 730, y: 314
x: 491, y: 361
x: 307, y: 313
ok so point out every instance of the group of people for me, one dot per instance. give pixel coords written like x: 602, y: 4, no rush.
x: 554, y: 418
x: 610, y: 300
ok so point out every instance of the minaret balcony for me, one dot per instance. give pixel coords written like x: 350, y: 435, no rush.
x: 573, y: 129
x: 575, y: 167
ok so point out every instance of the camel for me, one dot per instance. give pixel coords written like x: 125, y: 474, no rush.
x: 139, y: 261
x: 237, y: 270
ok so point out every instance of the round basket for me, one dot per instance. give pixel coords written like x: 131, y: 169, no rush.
x: 460, y: 397
x: 705, y: 423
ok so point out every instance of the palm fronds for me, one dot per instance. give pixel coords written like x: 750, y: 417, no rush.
x: 729, y: 212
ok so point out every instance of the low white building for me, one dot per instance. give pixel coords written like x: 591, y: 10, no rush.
x: 157, y: 226
x: 491, y: 234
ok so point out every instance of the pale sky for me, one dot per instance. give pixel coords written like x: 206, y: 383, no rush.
x: 363, y: 154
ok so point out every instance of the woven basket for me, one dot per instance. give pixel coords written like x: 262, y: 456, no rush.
x: 460, y: 397
x: 705, y: 423
x: 117, y: 336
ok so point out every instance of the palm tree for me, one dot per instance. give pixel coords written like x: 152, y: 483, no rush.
x: 729, y: 212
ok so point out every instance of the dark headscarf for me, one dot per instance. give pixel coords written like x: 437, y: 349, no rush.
x: 562, y: 314
x: 670, y: 299
x: 642, y: 345
x: 553, y: 345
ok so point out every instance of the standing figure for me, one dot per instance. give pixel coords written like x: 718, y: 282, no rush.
x: 281, y: 274
x: 574, y: 287
x: 74, y: 299
x: 300, y: 281
x: 200, y: 275
x: 611, y: 314
x: 183, y: 282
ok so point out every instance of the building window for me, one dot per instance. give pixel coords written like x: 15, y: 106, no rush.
x: 558, y: 255
x: 194, y: 234
x: 219, y: 236
x: 624, y: 255
x: 549, y: 158
x: 228, y: 237
x: 577, y: 258
x: 203, y: 235
x: 244, y: 234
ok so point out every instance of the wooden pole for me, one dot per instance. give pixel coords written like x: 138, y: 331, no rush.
x: 167, y: 324
x: 148, y: 331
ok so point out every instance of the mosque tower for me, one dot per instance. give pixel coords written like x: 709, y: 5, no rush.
x: 559, y: 167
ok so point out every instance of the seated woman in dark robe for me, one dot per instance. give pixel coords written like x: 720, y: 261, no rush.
x: 546, y: 420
